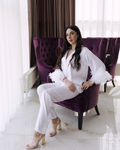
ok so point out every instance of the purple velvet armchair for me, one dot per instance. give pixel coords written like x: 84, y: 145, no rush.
x: 46, y: 55
x: 111, y: 58
x: 89, y: 98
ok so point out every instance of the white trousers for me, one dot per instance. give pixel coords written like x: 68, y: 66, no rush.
x: 49, y: 93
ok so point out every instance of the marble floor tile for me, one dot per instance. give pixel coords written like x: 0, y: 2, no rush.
x: 14, y: 142
x: 112, y: 99
x: 23, y: 121
x: 58, y: 143
x: 94, y: 126
x: 99, y: 132
x: 115, y: 118
x: 18, y: 142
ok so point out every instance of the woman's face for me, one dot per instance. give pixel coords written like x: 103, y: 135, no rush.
x: 71, y: 36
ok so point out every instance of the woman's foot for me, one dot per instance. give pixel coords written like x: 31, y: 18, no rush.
x: 35, y: 140
x: 56, y: 124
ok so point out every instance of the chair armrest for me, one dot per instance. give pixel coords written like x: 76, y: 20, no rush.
x: 92, y: 93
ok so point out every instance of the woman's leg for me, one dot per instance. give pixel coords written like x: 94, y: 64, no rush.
x: 40, y: 89
x: 38, y: 136
x: 47, y: 98
x: 45, y: 86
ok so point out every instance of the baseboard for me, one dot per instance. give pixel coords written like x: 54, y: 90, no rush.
x: 30, y: 77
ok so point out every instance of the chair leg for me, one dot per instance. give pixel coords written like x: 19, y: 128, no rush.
x: 113, y: 83
x: 80, y: 120
x: 97, y: 111
x: 105, y: 86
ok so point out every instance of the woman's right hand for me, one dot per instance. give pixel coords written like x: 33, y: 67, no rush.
x: 70, y: 85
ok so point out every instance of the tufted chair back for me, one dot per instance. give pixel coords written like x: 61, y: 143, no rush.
x: 93, y: 44
x: 47, y: 50
x: 111, y: 58
x: 112, y: 55
x: 97, y: 46
x: 46, y: 55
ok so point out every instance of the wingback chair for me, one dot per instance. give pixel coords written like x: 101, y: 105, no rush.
x: 111, y: 58
x: 89, y: 98
x: 46, y: 55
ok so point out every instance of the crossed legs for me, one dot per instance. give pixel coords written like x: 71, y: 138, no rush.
x: 48, y: 94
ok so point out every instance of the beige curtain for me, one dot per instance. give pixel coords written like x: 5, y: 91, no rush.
x: 54, y: 16
x: 48, y: 18
x: 33, y: 28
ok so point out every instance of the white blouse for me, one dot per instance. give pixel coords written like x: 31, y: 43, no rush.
x: 87, y: 58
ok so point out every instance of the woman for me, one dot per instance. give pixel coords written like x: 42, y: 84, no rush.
x: 70, y: 80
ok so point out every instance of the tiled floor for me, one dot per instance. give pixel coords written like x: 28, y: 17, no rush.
x: 98, y: 133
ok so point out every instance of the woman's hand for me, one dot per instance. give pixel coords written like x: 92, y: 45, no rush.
x: 86, y: 85
x: 70, y: 85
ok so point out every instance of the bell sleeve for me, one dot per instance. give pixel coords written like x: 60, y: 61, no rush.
x: 57, y: 76
x: 98, y: 69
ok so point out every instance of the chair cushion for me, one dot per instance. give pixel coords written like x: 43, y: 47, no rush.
x: 84, y: 101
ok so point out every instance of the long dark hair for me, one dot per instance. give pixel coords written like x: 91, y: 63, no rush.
x: 67, y: 46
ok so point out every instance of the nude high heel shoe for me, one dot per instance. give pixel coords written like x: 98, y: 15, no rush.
x: 55, y: 127
x: 35, y: 141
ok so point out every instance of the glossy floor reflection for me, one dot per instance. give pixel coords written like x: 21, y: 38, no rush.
x: 98, y: 133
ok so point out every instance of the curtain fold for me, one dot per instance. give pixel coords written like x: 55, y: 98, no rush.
x: 33, y: 28
x: 54, y: 16
x: 48, y: 18
x: 11, y: 58
x: 98, y: 18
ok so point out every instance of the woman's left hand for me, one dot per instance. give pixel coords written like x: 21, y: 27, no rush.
x: 86, y: 85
